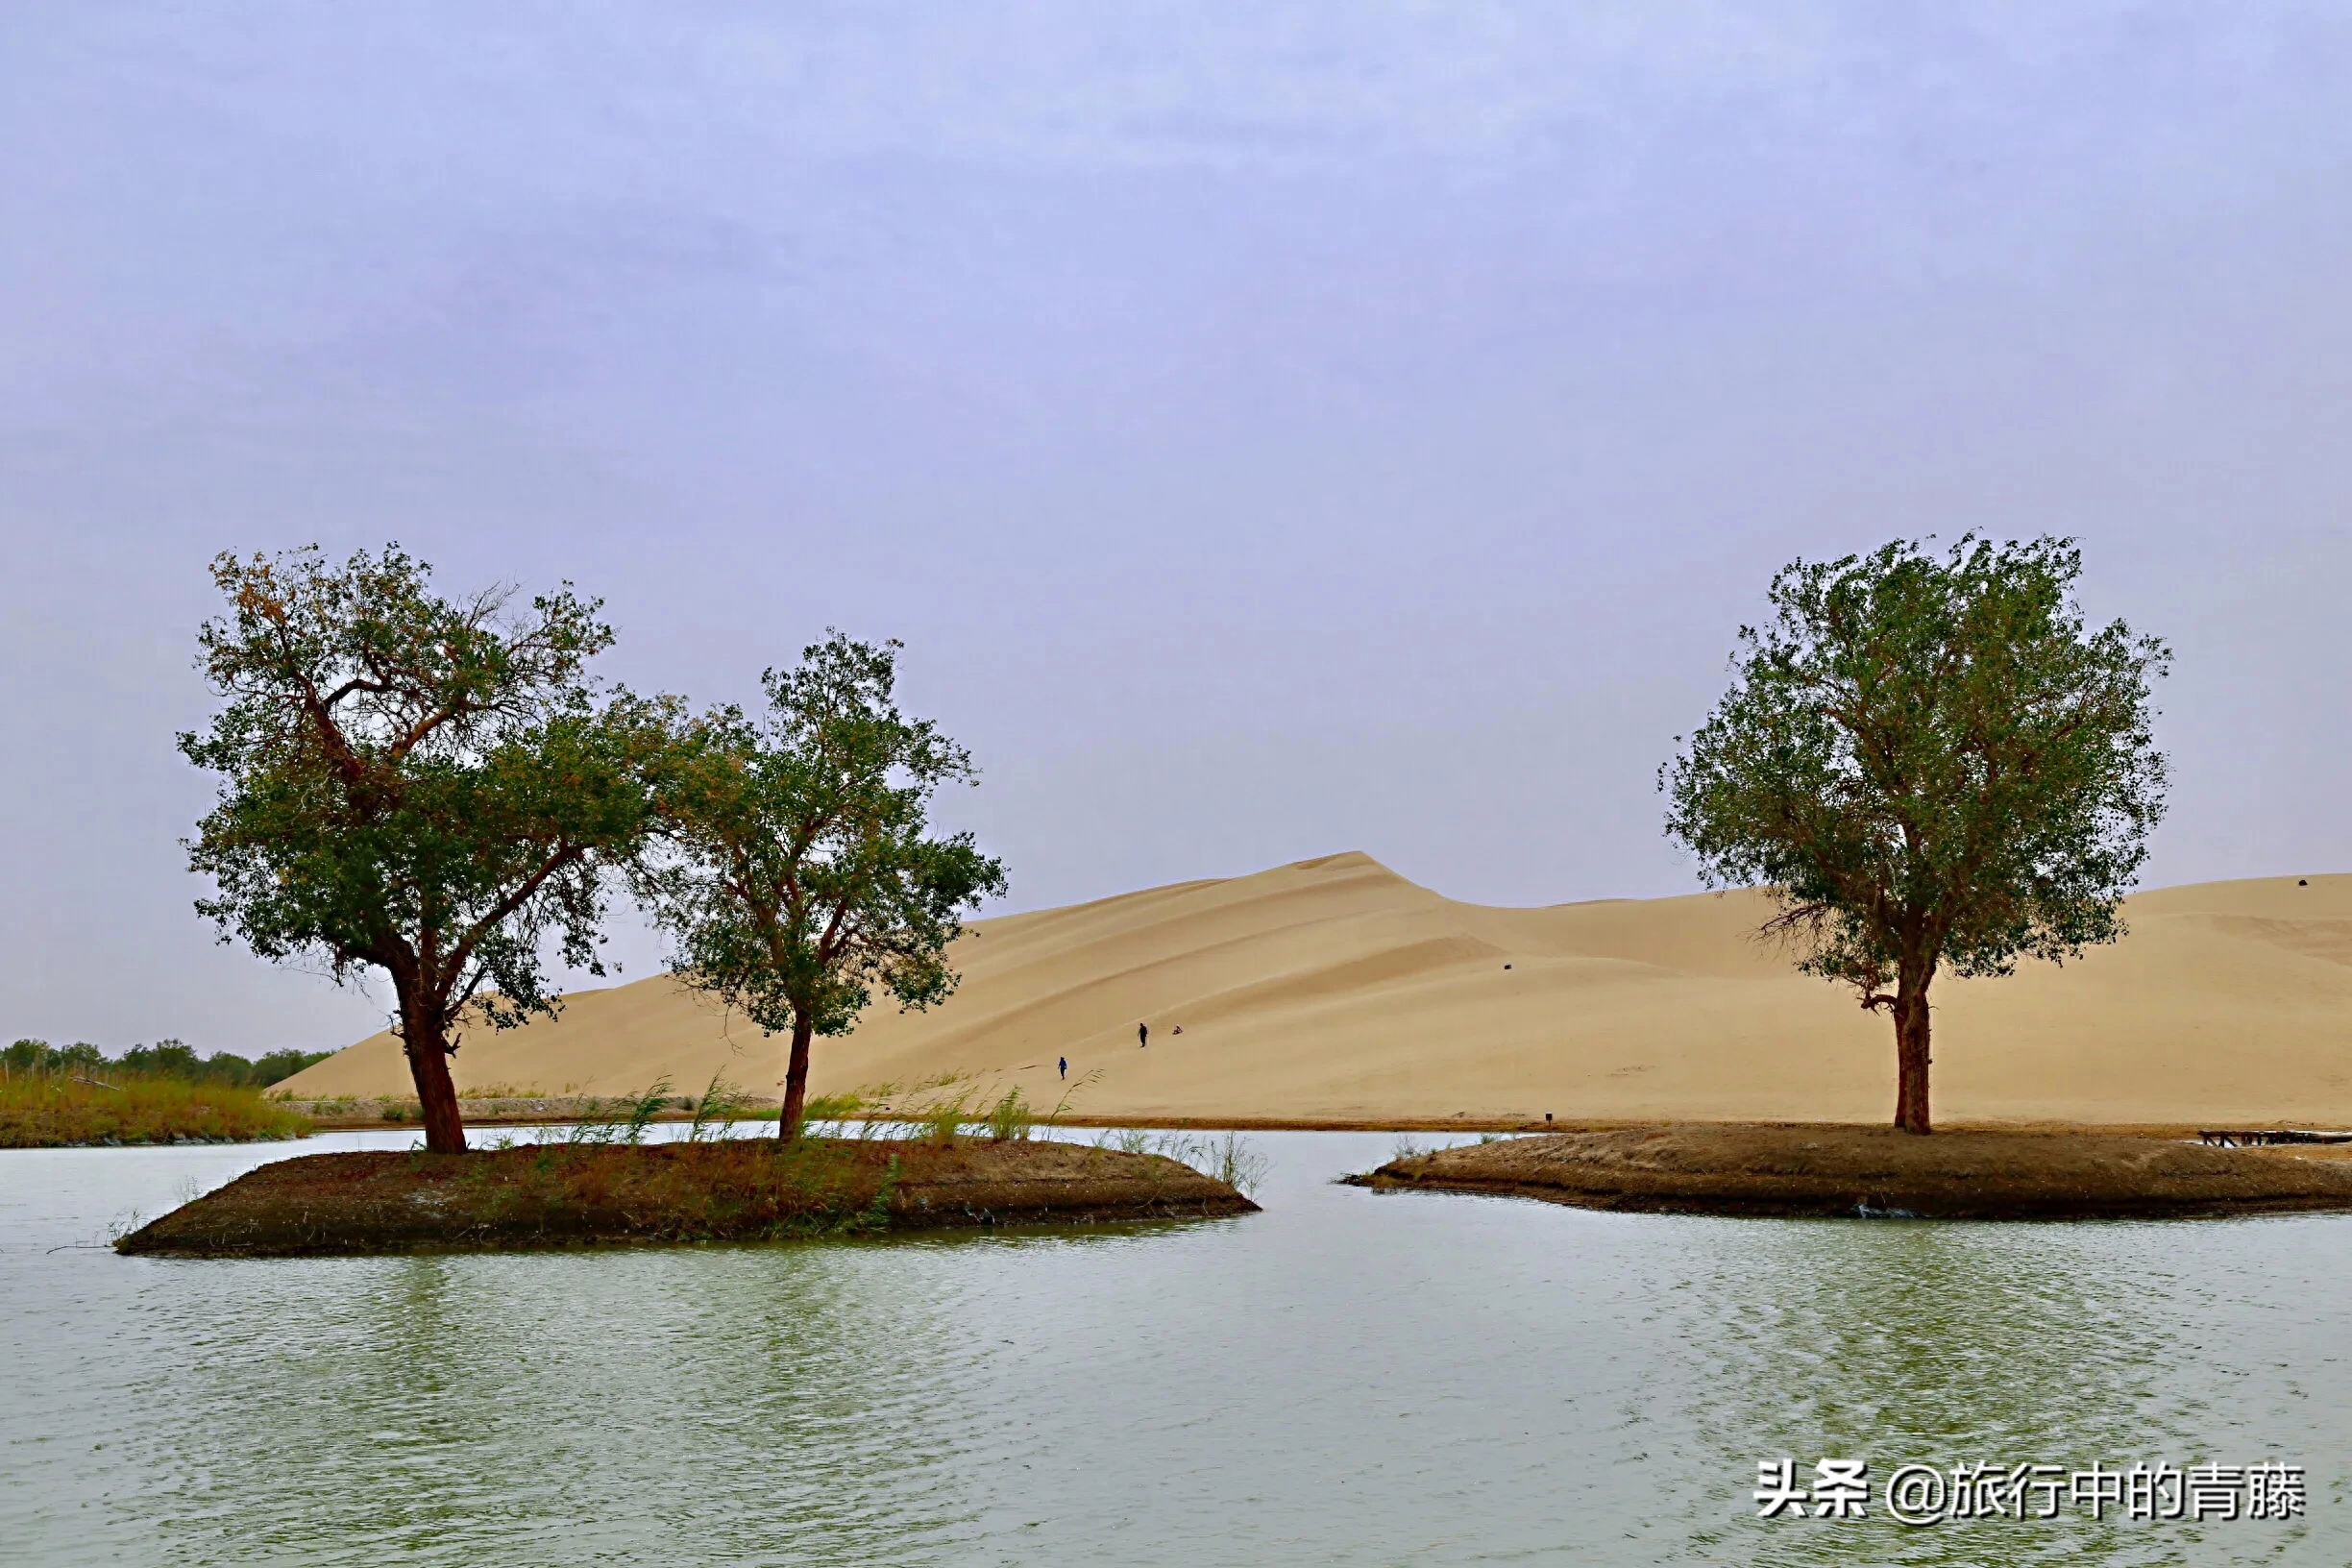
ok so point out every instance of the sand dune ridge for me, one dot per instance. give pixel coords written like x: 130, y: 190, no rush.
x: 1334, y: 989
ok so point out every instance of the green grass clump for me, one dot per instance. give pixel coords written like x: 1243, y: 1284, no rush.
x: 622, y: 1121
x: 1009, y: 1119
x: 49, y: 1109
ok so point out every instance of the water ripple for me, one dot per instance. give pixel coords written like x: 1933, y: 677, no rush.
x: 1348, y: 1378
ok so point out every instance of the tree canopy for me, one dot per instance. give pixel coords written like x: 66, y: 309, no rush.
x: 803, y: 872
x: 427, y: 786
x: 1932, y: 761
x: 164, y: 1058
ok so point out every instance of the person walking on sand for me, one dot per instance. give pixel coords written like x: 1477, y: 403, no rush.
x: 1142, y: 1036
x: 1065, y: 1066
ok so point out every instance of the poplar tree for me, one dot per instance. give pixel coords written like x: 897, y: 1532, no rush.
x: 1934, y: 764
x: 803, y: 872
x: 424, y: 786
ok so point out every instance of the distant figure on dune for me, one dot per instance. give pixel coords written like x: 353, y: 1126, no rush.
x: 1065, y: 1066
x: 1142, y: 1036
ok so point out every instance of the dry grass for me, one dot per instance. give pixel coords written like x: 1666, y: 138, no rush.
x: 45, y: 1110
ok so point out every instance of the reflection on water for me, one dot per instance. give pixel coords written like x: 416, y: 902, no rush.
x: 1348, y: 1378
x: 1945, y: 1344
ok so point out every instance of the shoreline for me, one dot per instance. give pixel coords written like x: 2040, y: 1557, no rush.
x: 543, y: 1196
x: 1820, y: 1170
x: 564, y: 1111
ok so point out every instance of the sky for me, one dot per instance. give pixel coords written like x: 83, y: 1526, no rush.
x: 1273, y: 430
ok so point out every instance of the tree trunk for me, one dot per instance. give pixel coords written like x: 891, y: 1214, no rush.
x: 429, y: 1054
x: 1911, y: 1048
x: 796, y: 1078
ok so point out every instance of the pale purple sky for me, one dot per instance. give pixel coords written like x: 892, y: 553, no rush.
x: 1273, y: 430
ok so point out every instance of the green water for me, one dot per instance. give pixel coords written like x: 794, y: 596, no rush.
x: 1348, y: 1378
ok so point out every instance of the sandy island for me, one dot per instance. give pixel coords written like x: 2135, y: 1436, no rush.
x: 1816, y: 1169
x: 558, y: 1195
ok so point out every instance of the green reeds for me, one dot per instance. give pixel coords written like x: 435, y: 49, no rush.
x: 1231, y: 1159
x: 1009, y: 1119
x: 643, y: 1110
x: 942, y: 1119
x: 1130, y: 1140
x: 715, y: 1111
x: 1235, y: 1162
x: 933, y: 1112
x: 48, y: 1109
x: 828, y: 1116
x: 622, y: 1121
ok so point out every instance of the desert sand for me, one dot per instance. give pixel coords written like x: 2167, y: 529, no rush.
x: 1335, y: 990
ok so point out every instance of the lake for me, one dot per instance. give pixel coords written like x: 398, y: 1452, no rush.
x: 1348, y: 1378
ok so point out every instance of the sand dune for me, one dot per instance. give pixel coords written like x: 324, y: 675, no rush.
x: 1334, y: 989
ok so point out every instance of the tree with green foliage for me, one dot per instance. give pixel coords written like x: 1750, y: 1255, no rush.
x: 40, y: 1056
x: 803, y: 871
x: 426, y: 785
x: 1932, y: 762
x: 277, y: 1067
x: 173, y: 1059
x: 164, y: 1058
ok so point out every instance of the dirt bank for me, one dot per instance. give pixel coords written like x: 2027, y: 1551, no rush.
x: 559, y: 1196
x: 1795, y: 1170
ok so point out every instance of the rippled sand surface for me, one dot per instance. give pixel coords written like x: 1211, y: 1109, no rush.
x: 1348, y: 1378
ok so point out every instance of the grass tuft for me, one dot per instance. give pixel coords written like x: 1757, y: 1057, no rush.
x: 936, y: 1111
x: 1231, y: 1159
x: 715, y: 1111
x: 1010, y: 1120
x: 827, y: 1115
